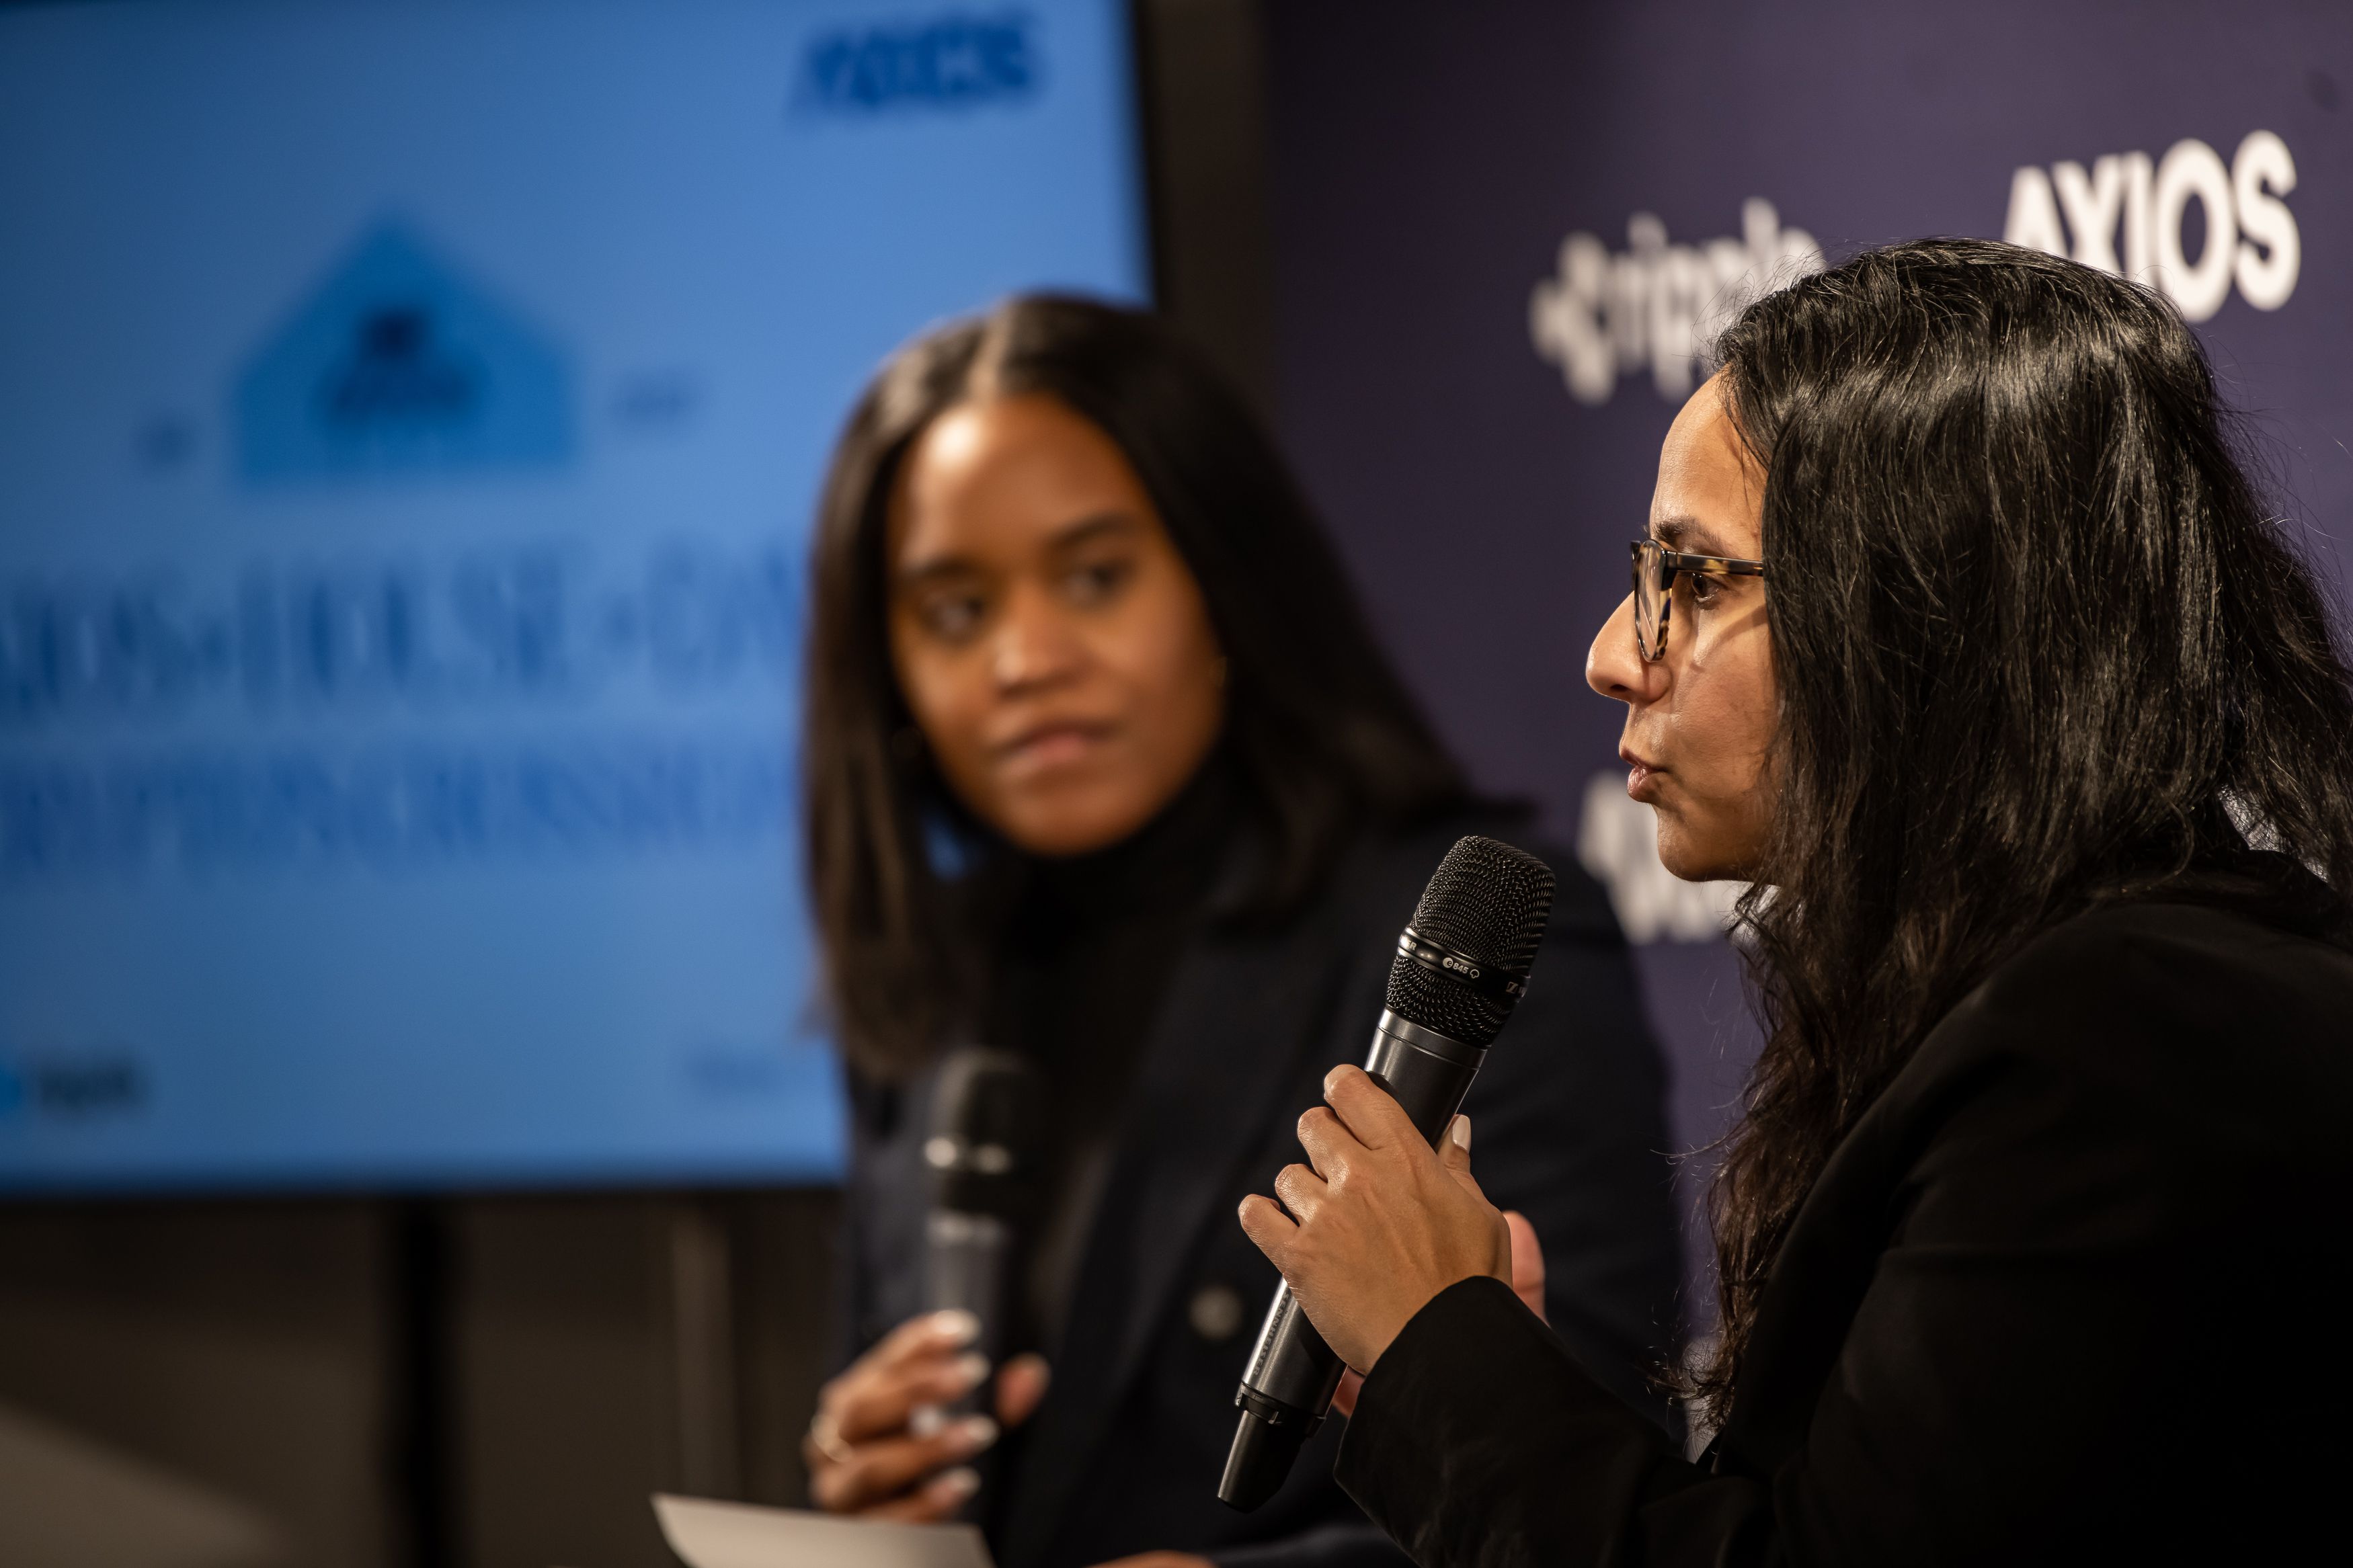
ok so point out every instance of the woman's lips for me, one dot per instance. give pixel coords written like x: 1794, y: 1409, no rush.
x: 1640, y: 777
x: 1051, y: 746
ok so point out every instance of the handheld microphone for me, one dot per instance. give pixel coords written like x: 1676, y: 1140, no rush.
x: 1461, y: 968
x: 987, y: 1120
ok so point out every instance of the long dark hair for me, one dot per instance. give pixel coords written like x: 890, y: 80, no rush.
x: 2037, y: 642
x: 1320, y: 732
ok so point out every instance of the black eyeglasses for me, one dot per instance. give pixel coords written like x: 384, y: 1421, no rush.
x: 1656, y: 567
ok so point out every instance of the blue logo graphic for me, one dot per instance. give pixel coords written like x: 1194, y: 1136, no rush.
x: 400, y: 365
x: 953, y: 62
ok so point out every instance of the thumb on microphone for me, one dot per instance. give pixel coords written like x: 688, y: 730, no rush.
x: 1454, y: 1153
x: 1527, y: 1252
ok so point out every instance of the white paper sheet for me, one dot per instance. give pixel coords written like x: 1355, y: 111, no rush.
x: 709, y: 1534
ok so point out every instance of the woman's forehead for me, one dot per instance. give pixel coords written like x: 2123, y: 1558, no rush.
x: 1010, y: 474
x: 1710, y: 497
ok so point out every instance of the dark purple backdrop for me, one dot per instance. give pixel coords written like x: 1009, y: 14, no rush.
x: 1428, y: 161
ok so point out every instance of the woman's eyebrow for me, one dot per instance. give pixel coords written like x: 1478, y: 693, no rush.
x: 933, y: 569
x: 952, y: 564
x: 1096, y: 525
x: 1684, y: 534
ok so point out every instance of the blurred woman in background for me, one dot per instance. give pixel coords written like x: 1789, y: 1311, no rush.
x: 1104, y: 768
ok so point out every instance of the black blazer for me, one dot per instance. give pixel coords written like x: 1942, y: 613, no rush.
x: 1125, y: 1453
x: 2070, y: 1292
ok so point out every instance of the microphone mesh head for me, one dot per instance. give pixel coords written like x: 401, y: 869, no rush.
x: 986, y: 1133
x: 1488, y: 903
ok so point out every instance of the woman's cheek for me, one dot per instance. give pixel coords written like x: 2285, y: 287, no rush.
x: 951, y: 727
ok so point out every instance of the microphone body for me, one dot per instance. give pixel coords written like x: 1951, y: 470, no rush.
x: 1293, y: 1372
x: 983, y: 1153
x: 1461, y: 968
x: 969, y: 1265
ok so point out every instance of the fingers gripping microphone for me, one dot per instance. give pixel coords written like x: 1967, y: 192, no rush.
x: 1459, y: 969
x: 987, y: 1119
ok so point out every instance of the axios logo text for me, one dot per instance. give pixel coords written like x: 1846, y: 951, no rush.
x: 954, y: 61
x: 2251, y: 237
x: 1655, y: 303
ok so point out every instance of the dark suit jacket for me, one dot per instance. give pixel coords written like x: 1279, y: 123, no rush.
x: 1125, y: 1453
x: 2069, y: 1293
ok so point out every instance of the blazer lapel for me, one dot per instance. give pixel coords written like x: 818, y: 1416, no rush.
x: 1242, y: 1015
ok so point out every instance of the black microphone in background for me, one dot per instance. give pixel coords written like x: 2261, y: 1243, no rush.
x: 984, y: 1150
x: 1461, y: 968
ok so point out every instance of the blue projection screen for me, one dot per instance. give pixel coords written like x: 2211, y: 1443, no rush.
x: 410, y: 418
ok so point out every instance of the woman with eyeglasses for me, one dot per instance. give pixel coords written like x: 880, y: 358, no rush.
x: 1105, y: 773
x: 1960, y: 632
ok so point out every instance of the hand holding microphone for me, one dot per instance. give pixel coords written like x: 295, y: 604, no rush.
x: 904, y: 1433
x: 1380, y: 1222
x: 1527, y: 1284
x: 881, y: 1445
x: 1461, y: 968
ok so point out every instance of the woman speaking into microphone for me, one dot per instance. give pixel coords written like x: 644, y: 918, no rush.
x: 1959, y: 632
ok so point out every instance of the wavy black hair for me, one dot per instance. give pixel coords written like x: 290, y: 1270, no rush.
x: 1320, y: 733
x: 2037, y: 641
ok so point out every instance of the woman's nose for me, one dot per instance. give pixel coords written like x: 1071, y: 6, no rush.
x: 1033, y: 647
x: 1614, y: 667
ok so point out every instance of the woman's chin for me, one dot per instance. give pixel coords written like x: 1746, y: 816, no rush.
x: 1060, y: 826
x: 1691, y: 859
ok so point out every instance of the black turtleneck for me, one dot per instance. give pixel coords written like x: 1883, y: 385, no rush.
x: 1083, y: 962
